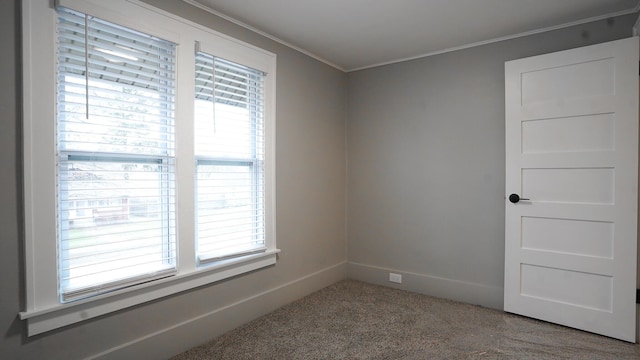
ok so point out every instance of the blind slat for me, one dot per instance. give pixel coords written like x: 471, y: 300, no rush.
x: 77, y: 87
x: 87, y: 291
x: 112, y: 57
x: 134, y: 256
x: 224, y: 246
x: 206, y: 258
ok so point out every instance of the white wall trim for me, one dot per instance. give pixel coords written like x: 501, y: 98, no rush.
x: 171, y: 340
x: 472, y: 293
x: 260, y: 32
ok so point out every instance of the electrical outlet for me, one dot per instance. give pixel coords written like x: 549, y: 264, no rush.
x: 396, y: 278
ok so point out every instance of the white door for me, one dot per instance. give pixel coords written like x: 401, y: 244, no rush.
x: 572, y: 151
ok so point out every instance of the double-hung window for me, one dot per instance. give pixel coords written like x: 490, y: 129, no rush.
x: 229, y: 149
x: 148, y: 166
x: 115, y: 146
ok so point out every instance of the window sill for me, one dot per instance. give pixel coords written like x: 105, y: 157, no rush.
x: 57, y: 316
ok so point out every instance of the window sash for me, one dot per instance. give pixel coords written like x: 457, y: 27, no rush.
x: 232, y: 223
x: 115, y: 153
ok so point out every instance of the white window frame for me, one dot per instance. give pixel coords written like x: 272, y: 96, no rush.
x: 83, y: 274
x: 251, y: 162
x: 43, y: 311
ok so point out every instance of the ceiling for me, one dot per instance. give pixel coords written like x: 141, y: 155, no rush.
x: 356, y: 34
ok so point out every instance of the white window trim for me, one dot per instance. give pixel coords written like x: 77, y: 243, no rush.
x: 43, y: 310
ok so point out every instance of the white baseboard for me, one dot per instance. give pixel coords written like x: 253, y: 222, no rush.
x: 187, y: 334
x: 472, y: 293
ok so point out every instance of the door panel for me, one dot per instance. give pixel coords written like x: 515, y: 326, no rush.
x: 570, y: 185
x: 567, y: 286
x: 568, y: 81
x: 588, y: 238
x: 577, y: 133
x: 572, y: 151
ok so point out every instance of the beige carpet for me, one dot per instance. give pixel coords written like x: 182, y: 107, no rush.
x: 355, y: 320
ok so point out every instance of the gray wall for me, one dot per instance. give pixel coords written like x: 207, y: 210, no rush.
x: 425, y: 190
x: 427, y: 167
x: 311, y: 183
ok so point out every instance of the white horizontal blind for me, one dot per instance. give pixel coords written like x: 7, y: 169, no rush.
x: 115, y: 147
x: 229, y: 148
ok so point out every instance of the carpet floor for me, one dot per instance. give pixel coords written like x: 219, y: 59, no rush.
x: 356, y: 320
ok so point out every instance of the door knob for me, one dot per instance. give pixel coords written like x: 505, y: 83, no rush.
x: 515, y: 198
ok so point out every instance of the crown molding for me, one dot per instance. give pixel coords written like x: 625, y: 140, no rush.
x: 260, y: 32
x: 508, y: 37
x: 636, y: 31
